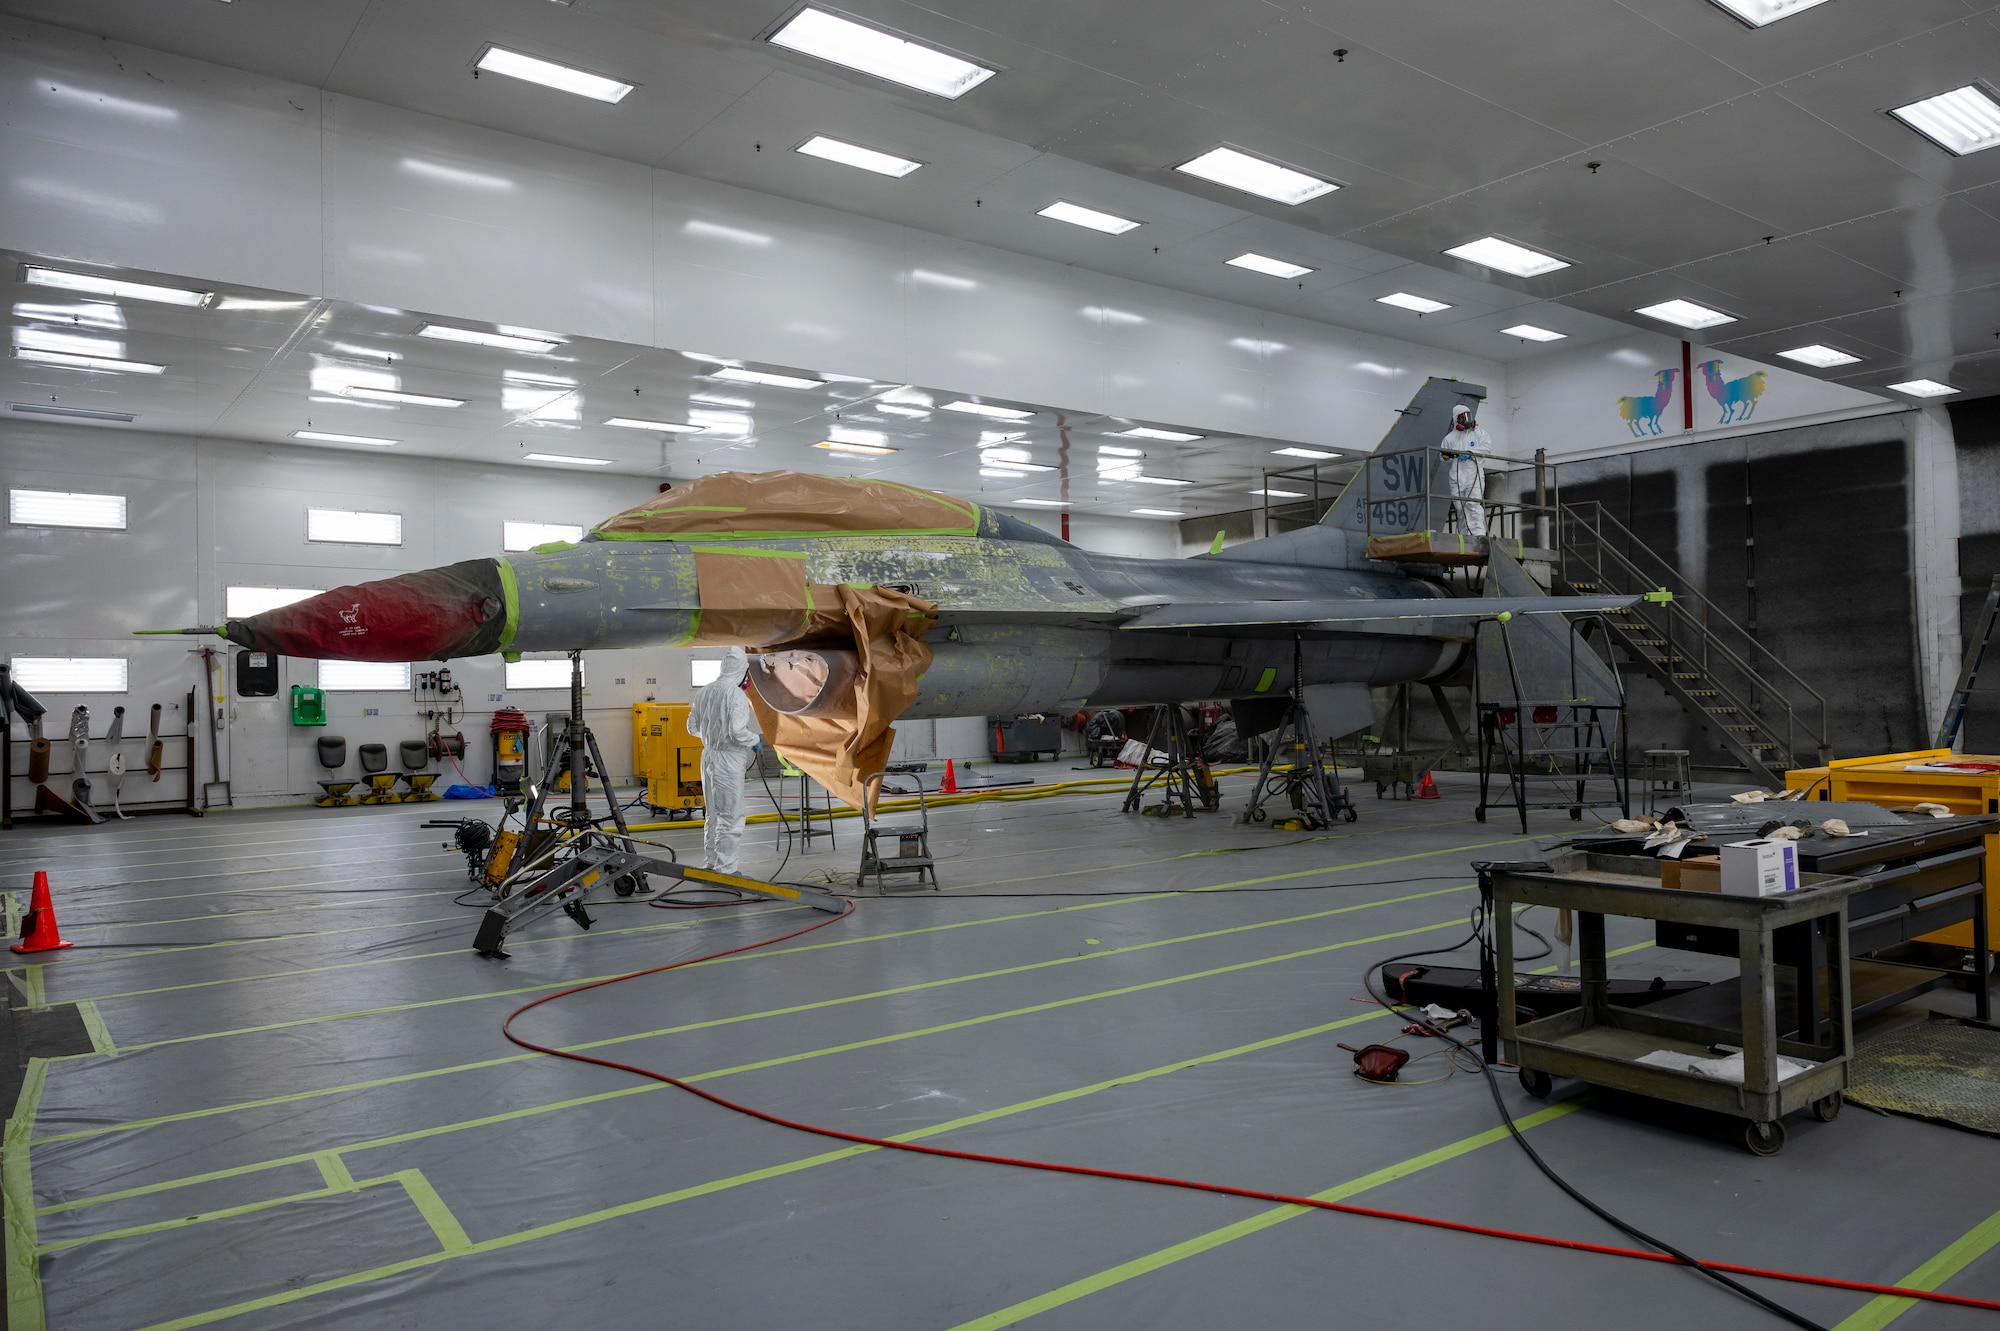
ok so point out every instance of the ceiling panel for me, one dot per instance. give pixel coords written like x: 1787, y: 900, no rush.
x: 1811, y: 39
x: 1937, y: 247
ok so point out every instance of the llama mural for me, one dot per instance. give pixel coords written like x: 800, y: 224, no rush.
x: 1642, y: 414
x: 1736, y: 397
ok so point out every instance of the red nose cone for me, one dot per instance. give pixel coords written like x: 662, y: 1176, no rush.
x: 434, y: 615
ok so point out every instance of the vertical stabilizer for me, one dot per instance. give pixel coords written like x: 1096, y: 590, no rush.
x: 1398, y: 465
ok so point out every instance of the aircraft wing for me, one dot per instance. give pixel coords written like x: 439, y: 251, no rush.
x: 1321, y: 613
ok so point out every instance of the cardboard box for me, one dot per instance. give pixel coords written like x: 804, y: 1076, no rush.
x: 1697, y: 875
x: 1760, y: 868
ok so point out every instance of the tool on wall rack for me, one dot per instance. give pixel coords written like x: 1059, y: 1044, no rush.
x: 155, y: 746
x: 77, y: 806
x: 218, y: 709
x: 114, y: 766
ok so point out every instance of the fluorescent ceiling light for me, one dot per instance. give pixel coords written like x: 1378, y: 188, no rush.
x: 1493, y: 252
x: 866, y: 450
x: 1042, y: 503
x: 1403, y: 300
x: 842, y: 41
x: 326, y: 437
x: 1824, y: 358
x: 74, y: 362
x: 567, y: 460
x: 477, y: 338
x: 563, y: 78
x: 1153, y: 480
x: 345, y: 527
x: 1113, y: 450
x: 851, y: 154
x: 402, y: 399
x: 57, y: 508
x: 76, y: 344
x: 1154, y: 512
x: 1077, y: 215
x: 247, y: 303
x: 1280, y: 494
x: 1964, y: 120
x: 1534, y: 334
x: 1226, y: 166
x: 1924, y: 388
x: 669, y: 427
x: 1258, y: 263
x: 988, y: 409
x: 1686, y: 314
x: 1148, y: 432
x: 735, y: 374
x: 518, y: 535
x: 1313, y: 453
x: 82, y: 314
x: 1759, y: 12
x: 111, y: 286
x: 243, y: 602
x: 84, y: 413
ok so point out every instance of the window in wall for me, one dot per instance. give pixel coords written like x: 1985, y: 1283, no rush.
x: 340, y: 526
x: 540, y: 673
x: 704, y: 672
x: 364, y: 676
x: 243, y: 602
x: 70, y: 674
x: 517, y: 535
x: 57, y: 508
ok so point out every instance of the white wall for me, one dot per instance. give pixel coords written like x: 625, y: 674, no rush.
x: 228, y: 176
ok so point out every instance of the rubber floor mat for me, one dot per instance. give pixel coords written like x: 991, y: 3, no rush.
x: 1943, y: 1070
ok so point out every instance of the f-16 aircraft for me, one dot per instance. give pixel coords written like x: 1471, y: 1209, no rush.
x: 975, y: 611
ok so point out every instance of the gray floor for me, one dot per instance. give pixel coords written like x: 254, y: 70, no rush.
x: 311, y: 1118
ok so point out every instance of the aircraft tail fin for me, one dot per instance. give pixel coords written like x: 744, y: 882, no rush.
x: 1397, y: 467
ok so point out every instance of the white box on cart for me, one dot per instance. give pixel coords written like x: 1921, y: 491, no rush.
x: 1760, y: 868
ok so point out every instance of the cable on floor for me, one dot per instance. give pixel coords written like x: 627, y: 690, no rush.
x: 1227, y: 1190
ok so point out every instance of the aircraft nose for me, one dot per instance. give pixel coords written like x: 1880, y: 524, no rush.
x: 434, y: 615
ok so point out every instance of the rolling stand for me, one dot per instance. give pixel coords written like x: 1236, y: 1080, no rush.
x: 579, y: 756
x: 1313, y: 793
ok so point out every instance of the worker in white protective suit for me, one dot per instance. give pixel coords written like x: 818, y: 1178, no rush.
x: 722, y: 720
x: 1466, y: 478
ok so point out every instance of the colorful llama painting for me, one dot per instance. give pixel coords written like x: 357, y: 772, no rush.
x: 1642, y: 414
x: 1736, y: 397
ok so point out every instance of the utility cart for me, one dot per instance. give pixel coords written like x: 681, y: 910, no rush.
x: 1605, y: 1045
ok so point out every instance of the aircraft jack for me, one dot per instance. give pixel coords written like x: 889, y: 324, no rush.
x: 1184, y: 780
x: 1312, y: 792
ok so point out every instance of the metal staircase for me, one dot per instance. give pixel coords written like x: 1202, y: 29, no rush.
x: 1763, y: 714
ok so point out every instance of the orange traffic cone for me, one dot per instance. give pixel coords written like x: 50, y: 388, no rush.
x: 38, y: 927
x: 950, y: 786
x: 1427, y: 789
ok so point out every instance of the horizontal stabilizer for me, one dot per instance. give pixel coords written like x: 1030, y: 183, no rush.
x: 1289, y: 613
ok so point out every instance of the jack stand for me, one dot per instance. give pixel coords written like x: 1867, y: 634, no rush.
x: 1314, y: 794
x: 600, y: 858
x: 571, y: 757
x: 1184, y: 780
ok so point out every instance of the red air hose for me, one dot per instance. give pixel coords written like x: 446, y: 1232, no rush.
x: 1227, y: 1190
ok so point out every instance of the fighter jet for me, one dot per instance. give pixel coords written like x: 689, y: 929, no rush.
x: 1014, y: 619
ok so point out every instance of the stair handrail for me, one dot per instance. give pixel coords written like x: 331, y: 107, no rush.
x: 1707, y: 621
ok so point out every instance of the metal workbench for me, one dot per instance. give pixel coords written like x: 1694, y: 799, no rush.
x: 1602, y: 1044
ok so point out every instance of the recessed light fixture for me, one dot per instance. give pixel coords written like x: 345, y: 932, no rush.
x: 479, y: 338
x: 1280, y: 494
x: 1493, y: 252
x: 853, y: 154
x: 1154, y: 512
x: 1685, y: 314
x: 112, y: 286
x: 1077, y: 215
x: 736, y: 374
x: 842, y: 41
x: 1042, y: 503
x: 1530, y: 333
x: 1924, y: 388
x: 563, y: 78
x: 250, y: 304
x: 866, y: 450
x: 1113, y: 450
x: 1757, y: 13
x: 988, y: 409
x: 1148, y: 432
x: 1258, y: 263
x: 668, y: 427
x: 1254, y: 175
x: 1315, y: 454
x: 81, y: 413
x: 1964, y: 120
x: 1151, y: 480
x: 327, y: 437
x: 568, y: 460
x: 71, y: 361
x: 1403, y: 300
x: 401, y: 399
x: 1824, y: 358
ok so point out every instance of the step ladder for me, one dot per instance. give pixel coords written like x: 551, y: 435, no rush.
x: 1968, y: 670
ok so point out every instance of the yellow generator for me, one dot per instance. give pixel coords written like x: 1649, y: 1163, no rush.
x: 667, y: 757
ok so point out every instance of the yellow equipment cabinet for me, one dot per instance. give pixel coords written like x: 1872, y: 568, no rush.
x: 667, y: 756
x: 1965, y: 783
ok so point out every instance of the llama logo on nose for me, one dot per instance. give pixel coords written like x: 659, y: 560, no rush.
x: 1642, y: 414
x: 350, y: 622
x: 1736, y: 397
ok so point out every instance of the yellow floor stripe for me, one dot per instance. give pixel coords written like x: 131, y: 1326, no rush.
x: 1886, y: 1308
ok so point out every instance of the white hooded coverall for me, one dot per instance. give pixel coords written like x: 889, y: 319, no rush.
x: 721, y: 719
x: 1465, y: 476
